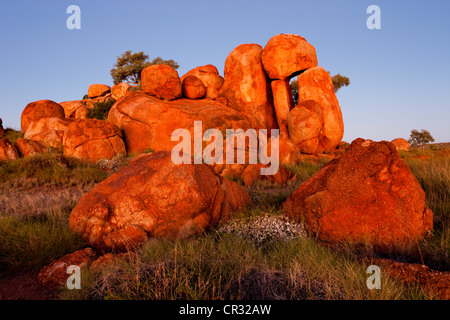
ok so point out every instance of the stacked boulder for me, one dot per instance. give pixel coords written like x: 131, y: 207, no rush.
x: 254, y: 93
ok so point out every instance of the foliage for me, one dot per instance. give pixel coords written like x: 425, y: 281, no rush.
x: 129, y: 66
x: 420, y: 138
x: 100, y: 110
x: 13, y: 135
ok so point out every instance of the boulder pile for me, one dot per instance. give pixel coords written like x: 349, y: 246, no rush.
x: 253, y: 94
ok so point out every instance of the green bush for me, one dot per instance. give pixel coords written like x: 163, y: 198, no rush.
x: 100, y: 110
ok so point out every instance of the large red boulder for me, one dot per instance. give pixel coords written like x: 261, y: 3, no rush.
x: 316, y: 127
x: 40, y: 109
x: 148, y: 123
x: 76, y: 109
x: 161, y: 81
x: 287, y: 54
x: 153, y: 197
x: 210, y: 78
x: 193, y: 87
x: 7, y: 151
x: 367, y: 196
x: 98, y: 90
x: 93, y: 140
x: 247, y: 88
x: 48, y: 131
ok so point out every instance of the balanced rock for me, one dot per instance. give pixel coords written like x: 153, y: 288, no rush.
x: 401, y: 144
x: 247, y: 88
x: 120, y: 90
x: 55, y: 275
x: 40, y: 109
x: 209, y: 75
x: 153, y: 197
x: 287, y: 54
x: 7, y: 151
x: 48, y: 131
x: 98, y: 90
x: 27, y: 147
x: 76, y: 109
x: 193, y: 88
x: 161, y: 81
x: 93, y: 140
x: 148, y: 123
x: 316, y: 127
x: 367, y: 196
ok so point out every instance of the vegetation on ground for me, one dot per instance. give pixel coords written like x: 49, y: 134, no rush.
x: 219, y: 265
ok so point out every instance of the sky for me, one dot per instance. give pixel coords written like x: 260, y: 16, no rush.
x: 399, y: 74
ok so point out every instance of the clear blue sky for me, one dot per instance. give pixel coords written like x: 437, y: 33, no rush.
x: 400, y: 75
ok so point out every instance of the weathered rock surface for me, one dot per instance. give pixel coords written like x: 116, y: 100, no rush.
x: 120, y: 90
x: 401, y: 144
x: 316, y: 128
x: 27, y: 147
x: 98, y: 90
x: 40, y: 109
x: 161, y: 81
x: 148, y: 123
x: 368, y: 195
x: 193, y: 88
x: 7, y: 151
x: 93, y: 140
x: 210, y: 78
x: 76, y: 109
x: 153, y: 197
x: 247, y: 88
x: 287, y: 54
x: 55, y: 275
x: 435, y: 283
x: 283, y: 103
x: 48, y: 131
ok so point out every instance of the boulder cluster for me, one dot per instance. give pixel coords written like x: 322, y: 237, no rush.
x: 254, y: 93
x: 366, y: 194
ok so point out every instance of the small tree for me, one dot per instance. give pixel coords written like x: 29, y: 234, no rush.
x: 338, y: 82
x: 129, y: 66
x: 420, y: 138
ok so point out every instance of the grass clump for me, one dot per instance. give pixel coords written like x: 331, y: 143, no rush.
x: 223, y: 266
x: 29, y: 243
x: 13, y: 135
x: 49, y: 169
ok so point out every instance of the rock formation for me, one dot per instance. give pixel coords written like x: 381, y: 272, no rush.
x: 153, y: 197
x: 48, y: 131
x: 161, y: 81
x: 247, y: 88
x: 97, y: 90
x: 148, y: 122
x: 7, y: 151
x: 368, y: 196
x: 40, y: 109
x: 93, y: 140
x: 210, y: 78
x: 322, y: 127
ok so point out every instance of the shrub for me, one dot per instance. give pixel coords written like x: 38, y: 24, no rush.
x: 100, y: 110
